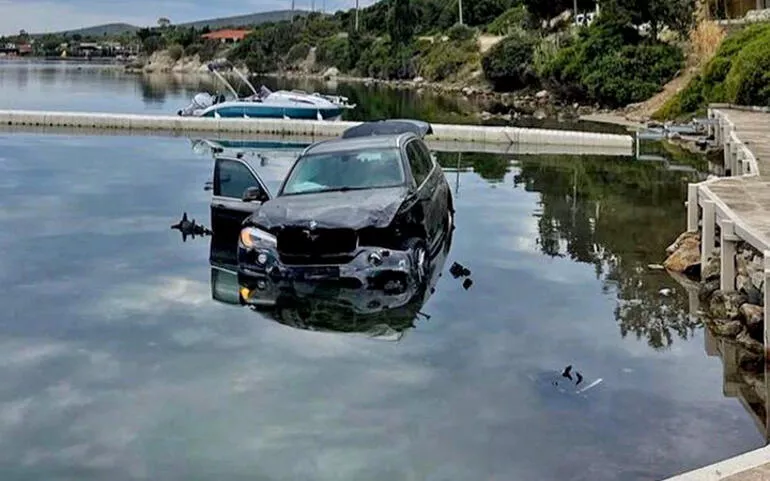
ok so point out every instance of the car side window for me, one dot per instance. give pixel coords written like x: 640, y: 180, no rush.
x: 426, y: 157
x: 232, y: 178
x: 417, y: 164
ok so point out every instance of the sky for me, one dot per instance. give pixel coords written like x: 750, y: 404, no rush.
x: 38, y: 16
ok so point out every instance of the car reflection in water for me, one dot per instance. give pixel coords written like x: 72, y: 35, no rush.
x: 327, y: 306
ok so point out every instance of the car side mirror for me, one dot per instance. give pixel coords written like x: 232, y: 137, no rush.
x: 254, y: 194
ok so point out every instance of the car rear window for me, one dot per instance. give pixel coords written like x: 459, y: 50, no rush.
x: 346, y: 170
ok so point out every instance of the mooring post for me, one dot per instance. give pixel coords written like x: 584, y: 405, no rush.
x: 692, y: 208
x: 734, y: 167
x: 708, y: 226
x: 767, y: 301
x: 728, y: 247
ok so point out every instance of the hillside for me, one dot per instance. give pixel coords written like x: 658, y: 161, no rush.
x: 113, y: 29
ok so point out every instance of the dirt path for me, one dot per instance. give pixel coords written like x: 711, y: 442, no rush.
x: 488, y: 41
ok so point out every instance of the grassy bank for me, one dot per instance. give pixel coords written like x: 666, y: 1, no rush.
x: 739, y: 73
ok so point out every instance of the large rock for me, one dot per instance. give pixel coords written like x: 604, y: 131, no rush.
x: 711, y: 270
x: 750, y: 344
x: 753, y: 316
x: 685, y: 256
x: 707, y: 289
x: 726, y: 305
x: 679, y: 240
x: 724, y: 328
x: 331, y: 72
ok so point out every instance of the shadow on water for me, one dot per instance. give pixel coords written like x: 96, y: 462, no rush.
x: 744, y: 378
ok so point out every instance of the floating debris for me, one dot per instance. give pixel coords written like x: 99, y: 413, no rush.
x: 666, y: 292
x: 566, y: 373
x: 190, y: 228
x: 655, y: 267
x: 458, y: 270
x: 591, y: 386
x: 467, y: 283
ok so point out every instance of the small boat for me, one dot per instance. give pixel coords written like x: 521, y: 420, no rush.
x: 264, y: 103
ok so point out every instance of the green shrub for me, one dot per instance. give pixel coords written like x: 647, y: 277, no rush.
x: 633, y: 74
x: 738, y: 74
x: 446, y: 59
x: 461, y: 33
x: 608, y: 64
x: 298, y: 53
x: 512, y: 21
x: 175, y: 52
x: 508, y: 65
x: 334, y: 52
x: 748, y: 82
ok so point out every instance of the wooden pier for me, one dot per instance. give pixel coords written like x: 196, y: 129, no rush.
x: 738, y: 203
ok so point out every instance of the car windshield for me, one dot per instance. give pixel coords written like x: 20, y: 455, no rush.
x: 346, y: 170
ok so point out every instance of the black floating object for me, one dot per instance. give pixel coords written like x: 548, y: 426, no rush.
x: 456, y: 270
x: 467, y: 283
x: 566, y: 372
x: 190, y: 228
x: 579, y: 378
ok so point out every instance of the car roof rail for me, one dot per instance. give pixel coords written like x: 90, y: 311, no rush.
x: 389, y: 127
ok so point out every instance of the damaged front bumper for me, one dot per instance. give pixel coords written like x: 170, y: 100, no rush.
x: 262, y: 291
x: 370, y: 267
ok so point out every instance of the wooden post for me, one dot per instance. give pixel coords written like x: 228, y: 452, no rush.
x: 727, y: 278
x: 692, y: 208
x: 707, y: 241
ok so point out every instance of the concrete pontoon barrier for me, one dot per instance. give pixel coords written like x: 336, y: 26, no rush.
x: 435, y: 145
x: 306, y: 128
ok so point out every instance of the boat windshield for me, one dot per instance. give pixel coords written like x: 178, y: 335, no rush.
x: 346, y: 170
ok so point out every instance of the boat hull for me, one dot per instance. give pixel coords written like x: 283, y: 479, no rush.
x: 263, y: 111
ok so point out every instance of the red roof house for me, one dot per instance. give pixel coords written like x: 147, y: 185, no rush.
x: 227, y: 36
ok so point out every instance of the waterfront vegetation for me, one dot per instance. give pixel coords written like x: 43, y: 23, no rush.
x: 626, y: 55
x: 739, y: 73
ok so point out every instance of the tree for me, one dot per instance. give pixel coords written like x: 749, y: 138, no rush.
x: 164, y: 22
x: 678, y: 15
x: 401, y: 22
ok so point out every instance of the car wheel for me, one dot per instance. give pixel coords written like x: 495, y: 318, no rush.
x: 419, y: 257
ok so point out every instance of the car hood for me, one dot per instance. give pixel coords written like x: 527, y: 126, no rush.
x: 353, y: 209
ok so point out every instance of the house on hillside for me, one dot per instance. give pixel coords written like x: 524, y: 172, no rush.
x: 735, y: 8
x: 226, y: 36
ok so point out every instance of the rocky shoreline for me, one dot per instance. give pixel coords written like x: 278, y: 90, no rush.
x: 505, y: 106
x: 737, y: 315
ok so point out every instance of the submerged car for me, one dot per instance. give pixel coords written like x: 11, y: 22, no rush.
x: 368, y: 208
x: 321, y: 306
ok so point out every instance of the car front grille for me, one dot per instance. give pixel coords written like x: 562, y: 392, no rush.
x: 303, y: 242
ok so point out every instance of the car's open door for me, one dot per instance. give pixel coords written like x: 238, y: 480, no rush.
x: 237, y: 192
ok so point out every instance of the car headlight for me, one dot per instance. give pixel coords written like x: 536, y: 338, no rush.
x: 253, y: 237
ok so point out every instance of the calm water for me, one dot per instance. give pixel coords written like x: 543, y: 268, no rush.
x: 103, y: 88
x: 117, y: 364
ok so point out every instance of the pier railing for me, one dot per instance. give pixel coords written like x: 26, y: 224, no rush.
x: 706, y: 210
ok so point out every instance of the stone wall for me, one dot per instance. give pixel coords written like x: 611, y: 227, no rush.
x: 737, y: 315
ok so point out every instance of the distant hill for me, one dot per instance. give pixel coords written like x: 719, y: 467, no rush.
x: 111, y: 29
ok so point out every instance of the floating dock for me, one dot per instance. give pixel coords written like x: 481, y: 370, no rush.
x: 469, y: 134
x: 435, y: 145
